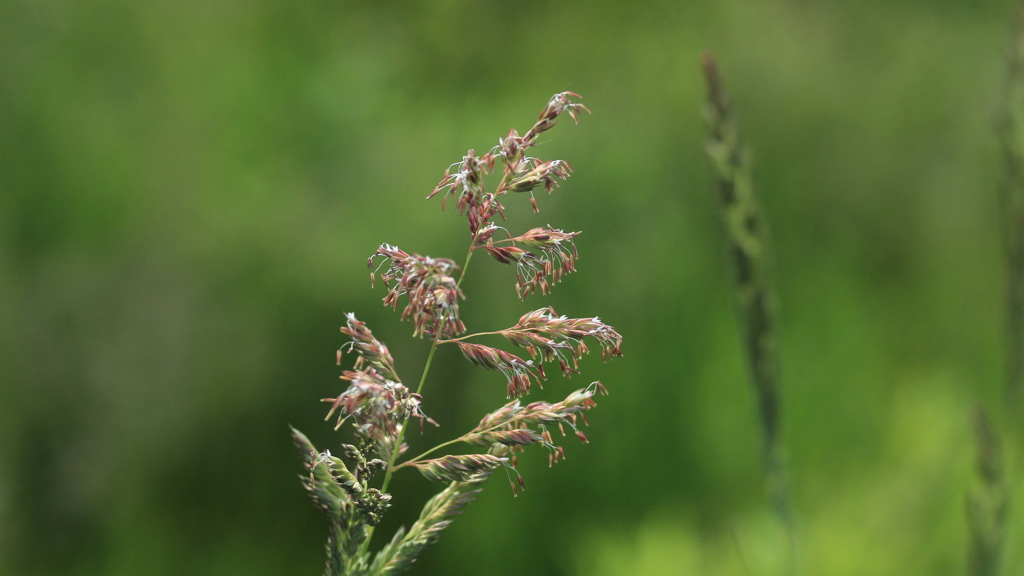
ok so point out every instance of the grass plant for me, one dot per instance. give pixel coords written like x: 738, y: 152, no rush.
x: 988, y: 502
x: 1010, y: 129
x: 746, y: 238
x: 379, y: 406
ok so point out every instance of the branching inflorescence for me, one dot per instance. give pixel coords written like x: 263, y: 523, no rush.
x: 379, y: 405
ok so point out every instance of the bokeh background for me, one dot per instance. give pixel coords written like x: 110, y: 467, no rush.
x: 189, y: 191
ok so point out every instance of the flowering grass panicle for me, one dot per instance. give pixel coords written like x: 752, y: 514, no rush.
x: 379, y: 405
x: 370, y: 349
x: 517, y: 372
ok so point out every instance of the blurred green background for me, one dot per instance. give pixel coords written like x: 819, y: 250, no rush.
x: 189, y: 191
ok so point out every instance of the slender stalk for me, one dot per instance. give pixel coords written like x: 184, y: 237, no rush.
x: 465, y: 265
x: 747, y: 241
x: 429, y: 452
x: 988, y: 500
x: 1011, y: 136
x: 468, y: 336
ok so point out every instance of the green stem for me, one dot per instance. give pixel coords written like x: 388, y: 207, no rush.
x: 428, y: 452
x: 465, y: 265
x: 467, y: 336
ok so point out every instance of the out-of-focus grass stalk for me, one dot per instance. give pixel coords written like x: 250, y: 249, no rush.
x: 747, y: 242
x: 987, y: 504
x: 1010, y: 127
x: 988, y: 500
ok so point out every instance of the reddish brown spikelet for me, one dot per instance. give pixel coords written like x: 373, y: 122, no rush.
x: 515, y: 417
x: 518, y: 372
x: 558, y: 104
x: 516, y: 437
x: 546, y: 237
x: 480, y: 214
x: 531, y: 173
x: 432, y: 292
x: 547, y: 436
x: 376, y: 404
x: 368, y: 347
x: 508, y: 254
x: 458, y: 468
x: 558, y: 338
x: 467, y: 183
x: 554, y: 254
x: 485, y: 234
